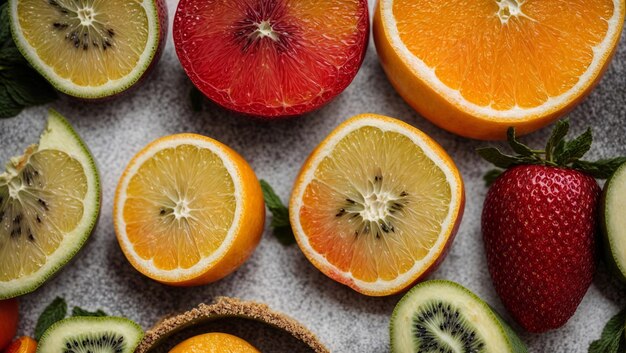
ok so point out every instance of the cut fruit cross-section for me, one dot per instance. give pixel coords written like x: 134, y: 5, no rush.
x: 376, y: 205
x: 475, y: 68
x: 49, y: 204
x: 90, y: 49
x: 188, y: 210
x: 271, y: 58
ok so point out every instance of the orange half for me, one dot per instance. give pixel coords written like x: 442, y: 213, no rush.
x: 188, y: 210
x: 376, y: 205
x: 477, y: 67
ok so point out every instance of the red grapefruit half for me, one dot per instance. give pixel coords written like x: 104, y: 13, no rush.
x: 271, y: 58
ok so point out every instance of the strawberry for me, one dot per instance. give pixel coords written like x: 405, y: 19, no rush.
x: 539, y: 226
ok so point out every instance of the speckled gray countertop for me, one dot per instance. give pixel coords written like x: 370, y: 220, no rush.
x: 100, y: 276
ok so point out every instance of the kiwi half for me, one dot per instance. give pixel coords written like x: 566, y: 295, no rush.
x: 614, y: 223
x: 91, y: 335
x: 444, y: 317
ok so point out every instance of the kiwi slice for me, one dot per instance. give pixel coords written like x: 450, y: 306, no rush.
x: 614, y: 223
x: 444, y: 317
x: 91, y: 335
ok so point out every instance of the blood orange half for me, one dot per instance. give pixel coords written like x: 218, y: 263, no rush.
x: 377, y: 205
x: 273, y: 58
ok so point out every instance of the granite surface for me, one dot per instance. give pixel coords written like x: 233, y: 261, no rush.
x: 100, y: 276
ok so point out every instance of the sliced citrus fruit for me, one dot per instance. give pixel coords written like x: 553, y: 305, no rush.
x: 49, y: 204
x: 90, y: 49
x: 214, y: 342
x: 271, y: 58
x: 188, y: 210
x: 23, y: 344
x: 377, y: 205
x: 476, y: 68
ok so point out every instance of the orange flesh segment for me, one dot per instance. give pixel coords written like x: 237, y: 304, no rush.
x: 182, y: 180
x: 95, y: 66
x: 214, y: 343
x: 349, y: 173
x: 314, y: 42
x: 524, y: 62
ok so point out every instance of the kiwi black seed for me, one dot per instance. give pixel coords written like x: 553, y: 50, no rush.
x: 78, y: 26
x: 389, y: 202
x: 95, y: 342
x: 436, y: 319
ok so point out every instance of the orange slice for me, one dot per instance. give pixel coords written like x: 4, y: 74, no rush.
x: 475, y: 68
x: 376, y: 205
x: 188, y: 210
x: 214, y: 343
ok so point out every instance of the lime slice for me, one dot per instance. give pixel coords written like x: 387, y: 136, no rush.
x: 86, y: 48
x: 49, y: 204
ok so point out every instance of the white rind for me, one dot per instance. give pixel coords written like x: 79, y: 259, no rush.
x: 380, y: 285
x: 471, y: 307
x: 59, y: 135
x: 53, y: 339
x: 602, y: 52
x: 91, y: 92
x: 200, y: 267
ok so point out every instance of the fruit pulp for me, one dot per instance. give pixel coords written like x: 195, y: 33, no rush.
x: 180, y: 206
x: 271, y: 58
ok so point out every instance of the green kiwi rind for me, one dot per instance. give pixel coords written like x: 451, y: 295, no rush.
x: 616, y: 265
x: 506, y: 334
x: 54, y: 338
x: 59, y: 134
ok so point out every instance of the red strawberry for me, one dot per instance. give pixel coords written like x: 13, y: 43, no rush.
x: 539, y: 223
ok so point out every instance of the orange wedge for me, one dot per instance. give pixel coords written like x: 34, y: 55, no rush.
x: 477, y: 67
x: 377, y: 205
x: 188, y: 210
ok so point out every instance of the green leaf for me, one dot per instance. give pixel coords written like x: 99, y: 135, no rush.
x: 5, y: 28
x: 575, y: 149
x: 280, y: 215
x: 10, y: 56
x: 82, y: 312
x: 54, y: 312
x: 556, y: 138
x: 27, y: 87
x: 497, y: 158
x: 602, y: 169
x: 491, y: 176
x: 196, y: 98
x: 612, y: 339
x: 8, y: 106
x: 518, y: 147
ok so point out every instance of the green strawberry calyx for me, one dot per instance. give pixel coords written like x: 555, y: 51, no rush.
x: 558, y: 152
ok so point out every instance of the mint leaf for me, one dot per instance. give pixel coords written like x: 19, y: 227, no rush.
x: 612, y: 339
x: 8, y: 106
x: 518, y: 147
x: 5, y: 28
x: 196, y: 98
x: 27, y: 87
x: 575, y: 149
x: 561, y: 129
x: 54, y: 312
x: 280, y: 215
x: 82, y: 312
